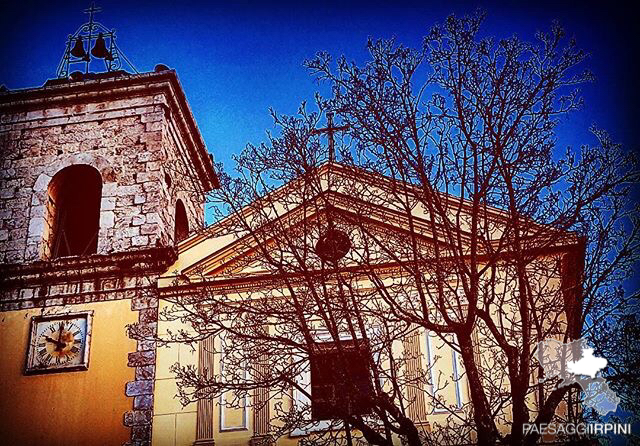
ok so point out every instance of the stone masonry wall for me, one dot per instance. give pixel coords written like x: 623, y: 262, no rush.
x: 127, y: 140
x: 183, y: 179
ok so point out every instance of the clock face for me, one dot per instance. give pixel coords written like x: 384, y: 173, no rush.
x: 59, y: 342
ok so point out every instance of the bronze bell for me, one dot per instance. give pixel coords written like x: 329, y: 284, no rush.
x: 78, y: 50
x: 100, y: 49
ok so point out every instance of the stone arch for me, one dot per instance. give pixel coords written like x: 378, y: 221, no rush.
x: 72, y: 220
x: 38, y: 215
x: 181, y: 222
x: 100, y: 163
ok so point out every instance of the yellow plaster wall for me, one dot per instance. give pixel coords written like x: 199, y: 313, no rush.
x: 172, y: 428
x: 173, y: 424
x: 68, y: 408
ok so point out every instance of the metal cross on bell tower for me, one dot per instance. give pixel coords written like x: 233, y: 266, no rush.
x: 330, y: 130
x: 91, y: 10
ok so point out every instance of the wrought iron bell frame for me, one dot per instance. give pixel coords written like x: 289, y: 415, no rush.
x: 90, y: 33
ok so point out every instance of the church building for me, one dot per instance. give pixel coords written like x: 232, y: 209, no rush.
x: 103, y: 178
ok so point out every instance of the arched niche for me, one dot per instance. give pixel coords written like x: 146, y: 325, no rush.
x: 73, y: 212
x: 181, y: 222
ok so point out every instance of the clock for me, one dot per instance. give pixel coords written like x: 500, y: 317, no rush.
x: 59, y: 343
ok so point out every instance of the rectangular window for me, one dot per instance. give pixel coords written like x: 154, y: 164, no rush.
x: 341, y: 382
x: 446, y: 373
x: 233, y: 408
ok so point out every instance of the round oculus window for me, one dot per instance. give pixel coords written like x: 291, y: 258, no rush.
x: 333, y: 245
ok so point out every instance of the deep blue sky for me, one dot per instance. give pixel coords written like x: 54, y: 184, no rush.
x: 238, y: 58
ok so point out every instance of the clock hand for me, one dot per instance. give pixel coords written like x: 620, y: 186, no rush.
x: 58, y: 348
x: 55, y: 341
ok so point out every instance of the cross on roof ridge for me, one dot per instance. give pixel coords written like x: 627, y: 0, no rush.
x: 330, y: 129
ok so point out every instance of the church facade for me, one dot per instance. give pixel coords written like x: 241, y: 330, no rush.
x: 101, y: 208
x: 219, y: 268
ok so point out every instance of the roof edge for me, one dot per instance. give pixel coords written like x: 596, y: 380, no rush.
x: 116, y: 84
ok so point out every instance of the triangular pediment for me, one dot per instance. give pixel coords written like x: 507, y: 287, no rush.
x: 224, y: 253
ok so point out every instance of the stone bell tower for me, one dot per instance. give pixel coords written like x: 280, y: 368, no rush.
x: 106, y: 164
x: 101, y: 174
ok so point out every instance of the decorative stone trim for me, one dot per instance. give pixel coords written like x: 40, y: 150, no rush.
x: 80, y: 280
x: 261, y: 410
x: 143, y: 360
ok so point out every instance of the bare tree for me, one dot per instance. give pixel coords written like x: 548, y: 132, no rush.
x: 451, y: 212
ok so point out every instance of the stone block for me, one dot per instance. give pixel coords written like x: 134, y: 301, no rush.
x: 148, y: 315
x: 32, y: 252
x: 148, y: 229
x: 26, y: 293
x: 108, y: 204
x: 36, y: 211
x: 131, y: 231
x: 107, y: 219
x: 27, y: 304
x: 153, y: 166
x: 152, y: 117
x: 141, y: 434
x: 141, y: 330
x: 151, y: 137
x: 129, y: 190
x: 36, y: 226
x: 143, y: 177
x: 109, y: 189
x: 137, y: 417
x: 143, y: 402
x: 140, y: 240
x: 136, y: 388
x: 42, y: 183
x: 137, y: 359
x: 145, y: 372
x: 153, y: 217
x: 148, y: 155
x: 153, y: 126
x: 8, y: 192
x: 137, y: 220
x: 140, y: 302
x: 146, y: 345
